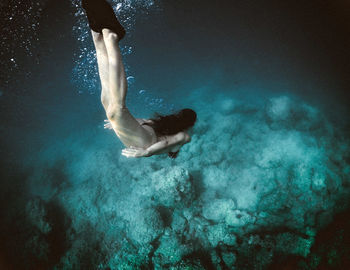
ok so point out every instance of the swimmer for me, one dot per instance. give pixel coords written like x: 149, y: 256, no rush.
x: 142, y: 137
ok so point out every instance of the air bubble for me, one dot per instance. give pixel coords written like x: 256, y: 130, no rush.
x: 130, y: 79
x: 85, y: 58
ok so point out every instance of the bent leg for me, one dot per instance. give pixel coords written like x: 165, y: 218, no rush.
x: 127, y: 128
x: 117, y: 83
x: 102, y: 63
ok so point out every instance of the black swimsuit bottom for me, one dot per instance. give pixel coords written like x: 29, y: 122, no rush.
x: 170, y: 154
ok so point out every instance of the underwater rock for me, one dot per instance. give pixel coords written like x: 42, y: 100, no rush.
x: 230, y: 125
x: 172, y: 186
x: 215, y: 179
x: 310, y: 118
x: 229, y: 258
x: 279, y: 108
x: 239, y: 218
x: 213, y: 155
x: 218, y: 209
x: 247, y: 188
x: 215, y: 259
x: 293, y: 244
x: 220, y: 233
x: 285, y: 149
x: 148, y: 221
x: 318, y: 183
x: 190, y: 263
x: 36, y: 212
x: 179, y: 222
x: 283, y: 112
x: 228, y: 106
x: 170, y: 250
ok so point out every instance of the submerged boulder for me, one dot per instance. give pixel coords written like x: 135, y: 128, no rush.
x: 172, y: 186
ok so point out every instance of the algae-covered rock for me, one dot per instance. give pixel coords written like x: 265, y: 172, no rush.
x: 172, y: 186
x: 217, y: 210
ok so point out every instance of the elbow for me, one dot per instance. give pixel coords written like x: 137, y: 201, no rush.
x: 114, y: 112
x: 188, y: 138
x: 182, y: 138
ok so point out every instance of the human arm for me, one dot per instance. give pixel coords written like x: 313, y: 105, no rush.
x: 166, y: 145
x: 160, y: 147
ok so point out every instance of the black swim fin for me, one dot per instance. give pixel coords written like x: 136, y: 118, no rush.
x: 100, y: 15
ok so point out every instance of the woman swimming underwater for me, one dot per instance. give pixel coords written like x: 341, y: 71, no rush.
x: 142, y: 137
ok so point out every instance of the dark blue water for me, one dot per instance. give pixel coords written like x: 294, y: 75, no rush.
x: 264, y: 182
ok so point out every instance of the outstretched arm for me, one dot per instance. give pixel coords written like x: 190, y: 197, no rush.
x: 159, y: 147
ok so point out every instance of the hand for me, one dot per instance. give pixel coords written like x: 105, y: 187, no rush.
x: 107, y: 124
x: 135, y: 152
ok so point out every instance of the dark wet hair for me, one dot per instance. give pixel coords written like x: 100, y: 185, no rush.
x: 173, y: 123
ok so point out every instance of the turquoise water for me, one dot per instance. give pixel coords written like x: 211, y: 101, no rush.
x: 264, y: 182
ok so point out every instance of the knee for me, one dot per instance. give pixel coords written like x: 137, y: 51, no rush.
x: 114, y: 112
x: 97, y: 36
x: 109, y: 36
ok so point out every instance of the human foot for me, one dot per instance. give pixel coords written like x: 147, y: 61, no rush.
x: 100, y: 15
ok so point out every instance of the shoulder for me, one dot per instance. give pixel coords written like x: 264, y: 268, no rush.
x: 187, y: 137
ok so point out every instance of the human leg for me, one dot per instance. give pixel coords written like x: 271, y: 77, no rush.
x: 100, y: 15
x: 102, y: 63
x: 117, y: 83
x: 111, y: 70
x: 127, y: 128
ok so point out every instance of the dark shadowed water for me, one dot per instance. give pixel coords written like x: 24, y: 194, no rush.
x: 264, y: 182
